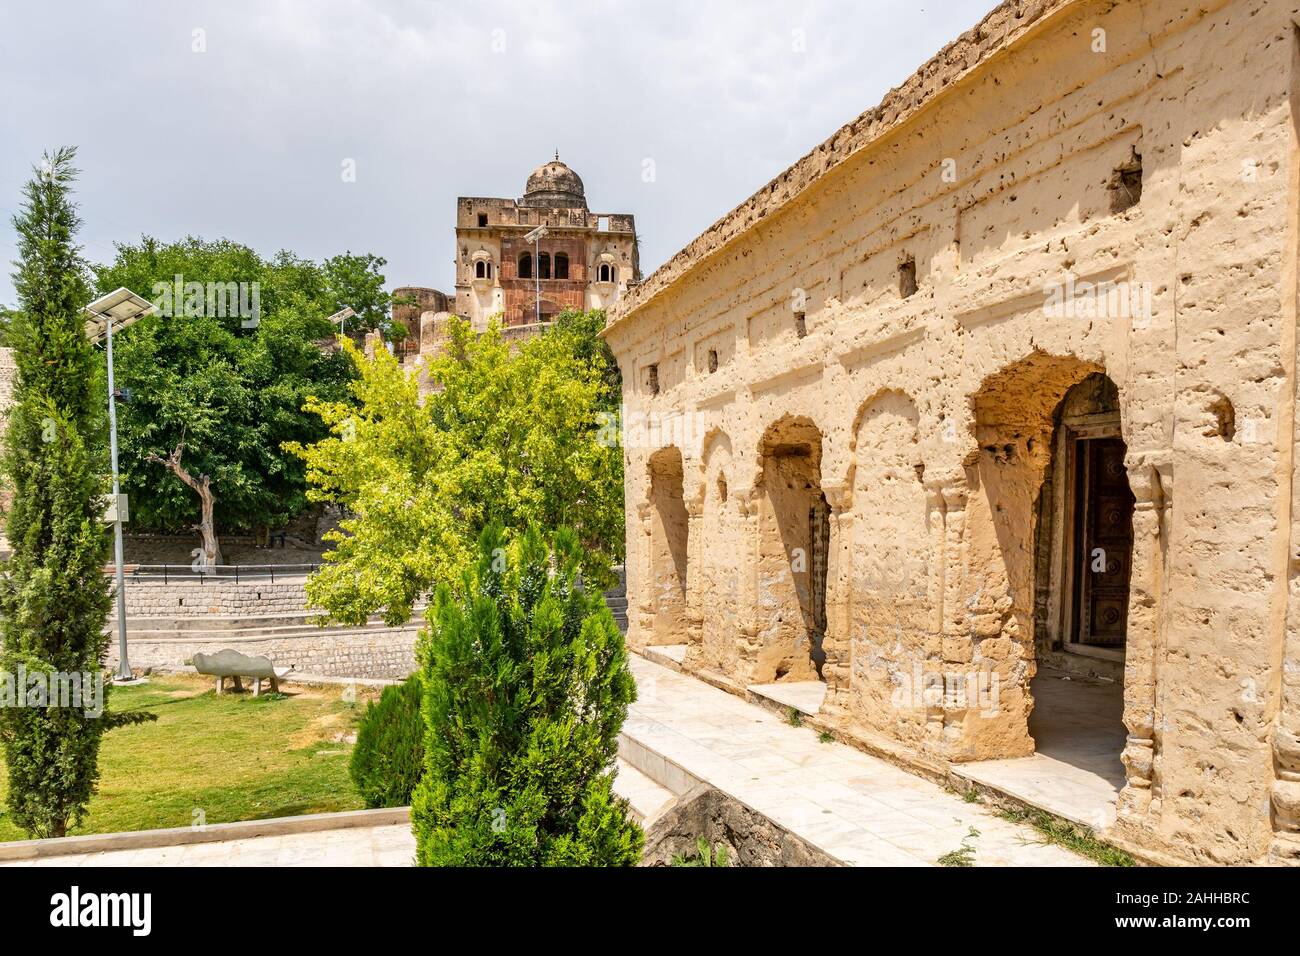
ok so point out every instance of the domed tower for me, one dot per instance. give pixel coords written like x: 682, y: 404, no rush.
x: 508, y: 270
x: 554, y: 186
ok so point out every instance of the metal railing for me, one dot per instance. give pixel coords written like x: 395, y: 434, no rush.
x: 217, y: 572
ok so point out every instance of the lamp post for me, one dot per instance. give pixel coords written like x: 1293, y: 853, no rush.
x: 341, y: 317
x: 121, y: 307
x: 536, y: 237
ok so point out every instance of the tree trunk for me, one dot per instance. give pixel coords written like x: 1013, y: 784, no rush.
x: 203, y: 487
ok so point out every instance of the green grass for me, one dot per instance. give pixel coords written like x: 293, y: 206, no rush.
x: 1071, y: 836
x: 793, y: 717
x: 233, y: 757
x: 964, y: 855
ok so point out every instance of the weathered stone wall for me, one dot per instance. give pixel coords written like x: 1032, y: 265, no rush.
x: 895, y: 288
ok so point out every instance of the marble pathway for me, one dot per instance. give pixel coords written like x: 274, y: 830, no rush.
x: 859, y: 809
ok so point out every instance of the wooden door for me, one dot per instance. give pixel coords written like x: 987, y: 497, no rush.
x: 1105, y: 516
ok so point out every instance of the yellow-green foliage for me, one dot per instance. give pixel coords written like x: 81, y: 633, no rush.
x: 513, y: 436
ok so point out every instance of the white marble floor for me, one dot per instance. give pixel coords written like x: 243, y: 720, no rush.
x: 1078, y: 734
x: 857, y: 808
x: 805, y: 696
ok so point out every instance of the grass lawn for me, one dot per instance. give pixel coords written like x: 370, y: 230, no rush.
x: 233, y: 757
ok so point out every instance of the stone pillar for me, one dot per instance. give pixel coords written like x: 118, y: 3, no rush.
x: 1286, y: 787
x: 1285, y: 796
x: 640, y: 594
x: 748, y: 623
x: 1151, y: 513
x: 954, y: 492
x: 838, y: 642
x: 695, y: 546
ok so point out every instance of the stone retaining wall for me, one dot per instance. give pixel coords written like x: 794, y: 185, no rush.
x: 328, y: 652
x: 218, y: 598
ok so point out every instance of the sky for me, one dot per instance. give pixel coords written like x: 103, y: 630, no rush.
x: 244, y: 120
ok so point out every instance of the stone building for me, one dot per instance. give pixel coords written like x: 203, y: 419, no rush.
x: 586, y: 261
x: 996, y: 387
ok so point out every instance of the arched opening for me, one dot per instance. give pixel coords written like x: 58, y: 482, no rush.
x: 669, y: 526
x: 561, y: 265
x: 544, y: 265
x: 605, y: 272
x: 482, y: 269
x: 1050, y: 539
x: 793, y: 554
x: 525, y: 265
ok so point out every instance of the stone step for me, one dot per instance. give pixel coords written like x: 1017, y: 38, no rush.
x: 648, y: 800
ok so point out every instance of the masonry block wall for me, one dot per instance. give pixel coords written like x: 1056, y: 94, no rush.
x: 1077, y: 224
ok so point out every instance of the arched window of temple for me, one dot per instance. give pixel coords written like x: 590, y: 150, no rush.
x: 544, y: 265
x: 526, y: 266
x: 561, y: 266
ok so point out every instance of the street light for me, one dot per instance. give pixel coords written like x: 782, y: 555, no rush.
x: 120, y: 308
x: 341, y: 317
x: 536, y: 237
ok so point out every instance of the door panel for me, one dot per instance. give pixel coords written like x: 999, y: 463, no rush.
x: 1106, y: 513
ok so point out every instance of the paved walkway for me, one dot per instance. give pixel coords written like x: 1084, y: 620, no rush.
x: 359, y: 846
x: 857, y: 808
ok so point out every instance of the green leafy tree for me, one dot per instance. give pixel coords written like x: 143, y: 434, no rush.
x: 6, y: 322
x: 225, y: 391
x: 527, y: 687
x: 580, y: 333
x: 54, y: 597
x: 514, y: 436
x: 388, y: 757
x: 357, y: 282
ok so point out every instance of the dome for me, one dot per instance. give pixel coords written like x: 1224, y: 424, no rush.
x: 554, y: 185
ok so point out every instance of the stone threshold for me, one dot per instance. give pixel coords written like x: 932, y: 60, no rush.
x: 213, y: 833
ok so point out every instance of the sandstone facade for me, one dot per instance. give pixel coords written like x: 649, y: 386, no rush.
x: 1003, y: 374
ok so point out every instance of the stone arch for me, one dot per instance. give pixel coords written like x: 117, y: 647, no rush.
x: 890, y: 554
x: 793, y: 553
x: 667, y: 554
x: 1049, y: 432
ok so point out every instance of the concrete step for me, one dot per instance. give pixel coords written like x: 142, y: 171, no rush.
x: 648, y: 800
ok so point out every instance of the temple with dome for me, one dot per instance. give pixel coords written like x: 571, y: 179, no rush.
x: 585, y: 261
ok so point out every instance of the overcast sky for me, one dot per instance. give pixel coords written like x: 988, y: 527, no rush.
x: 223, y: 118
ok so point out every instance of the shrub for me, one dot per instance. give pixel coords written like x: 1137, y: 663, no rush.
x: 527, y: 686
x: 389, y: 755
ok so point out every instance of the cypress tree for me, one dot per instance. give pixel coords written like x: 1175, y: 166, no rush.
x: 526, y: 689
x: 54, y: 596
